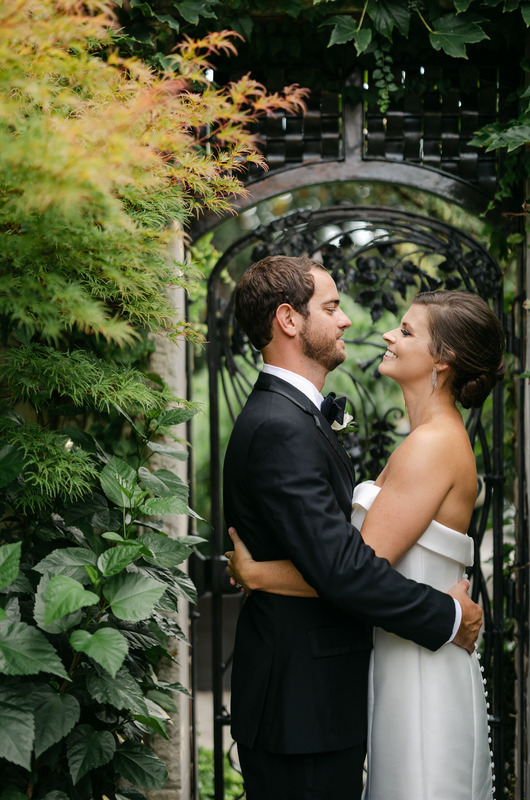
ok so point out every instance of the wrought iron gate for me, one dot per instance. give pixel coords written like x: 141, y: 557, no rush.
x: 379, y: 257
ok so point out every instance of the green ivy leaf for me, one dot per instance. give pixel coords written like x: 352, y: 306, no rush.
x: 118, y: 481
x: 106, y: 646
x: 18, y: 725
x: 345, y: 28
x: 55, y: 716
x: 452, y: 33
x: 140, y: 766
x: 133, y: 597
x: 142, y: 6
x: 166, y: 552
x: 9, y: 563
x: 88, y: 749
x: 69, y: 561
x: 64, y: 596
x: 525, y: 11
x: 24, y: 650
x: 386, y: 15
x: 11, y: 464
x: 192, y: 10
x: 121, y: 692
x: 115, y: 559
x: 169, y: 20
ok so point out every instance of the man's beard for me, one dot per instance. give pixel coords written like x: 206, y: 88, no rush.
x: 324, y: 351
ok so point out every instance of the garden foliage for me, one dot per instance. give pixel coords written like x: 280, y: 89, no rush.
x: 101, y: 156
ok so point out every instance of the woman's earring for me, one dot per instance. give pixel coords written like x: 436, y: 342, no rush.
x: 434, y: 379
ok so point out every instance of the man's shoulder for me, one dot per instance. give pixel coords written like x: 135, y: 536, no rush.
x: 277, y: 401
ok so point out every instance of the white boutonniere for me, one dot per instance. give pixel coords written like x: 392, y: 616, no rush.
x: 347, y: 425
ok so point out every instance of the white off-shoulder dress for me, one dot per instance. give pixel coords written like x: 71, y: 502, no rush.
x: 428, y: 733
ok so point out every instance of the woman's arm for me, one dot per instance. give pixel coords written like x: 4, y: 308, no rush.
x: 419, y: 486
x: 275, y: 577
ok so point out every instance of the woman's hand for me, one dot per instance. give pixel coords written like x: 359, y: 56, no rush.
x: 275, y: 577
x: 240, y: 563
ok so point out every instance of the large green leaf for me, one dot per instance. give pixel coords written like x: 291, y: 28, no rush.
x: 11, y: 610
x: 55, y: 716
x: 156, y: 506
x: 64, y: 596
x: 140, y: 766
x: 389, y: 14
x: 88, y: 749
x: 175, y: 416
x: 107, y: 646
x: 185, y: 586
x: 163, y: 483
x: 156, y: 719
x: 24, y: 650
x: 166, y: 552
x: 69, y: 561
x: 122, y: 691
x: 11, y: 463
x: 21, y: 585
x: 171, y: 21
x: 192, y: 10
x: 115, y: 559
x: 346, y: 30
x: 166, y: 450
x: 119, y: 482
x: 452, y: 33
x: 18, y: 725
x: 39, y: 612
x: 9, y: 563
x: 132, y: 596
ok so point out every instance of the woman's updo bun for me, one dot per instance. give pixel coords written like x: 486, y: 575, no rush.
x: 466, y: 334
x: 474, y: 391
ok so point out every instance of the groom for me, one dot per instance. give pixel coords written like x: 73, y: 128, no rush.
x: 299, y: 677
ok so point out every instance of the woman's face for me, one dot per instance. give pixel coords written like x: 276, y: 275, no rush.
x: 408, y: 359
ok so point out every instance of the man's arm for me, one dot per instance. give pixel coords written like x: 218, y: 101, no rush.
x: 288, y: 475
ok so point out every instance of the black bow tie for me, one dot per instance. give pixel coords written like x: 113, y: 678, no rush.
x: 333, y: 409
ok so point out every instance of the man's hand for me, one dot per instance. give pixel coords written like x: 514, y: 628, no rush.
x: 471, y: 617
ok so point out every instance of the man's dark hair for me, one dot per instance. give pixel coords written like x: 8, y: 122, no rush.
x: 268, y: 284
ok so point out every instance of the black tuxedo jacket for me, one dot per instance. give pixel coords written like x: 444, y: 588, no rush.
x: 299, y: 677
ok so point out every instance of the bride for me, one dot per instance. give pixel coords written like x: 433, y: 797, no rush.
x: 428, y: 728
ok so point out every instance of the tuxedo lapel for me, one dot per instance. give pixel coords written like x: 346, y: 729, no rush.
x: 270, y: 383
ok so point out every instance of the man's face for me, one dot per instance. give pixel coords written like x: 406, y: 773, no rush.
x: 322, y: 330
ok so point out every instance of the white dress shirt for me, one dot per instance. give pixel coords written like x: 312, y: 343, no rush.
x: 311, y: 392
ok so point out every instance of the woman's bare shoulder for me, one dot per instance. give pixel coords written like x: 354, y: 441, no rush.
x: 432, y: 444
